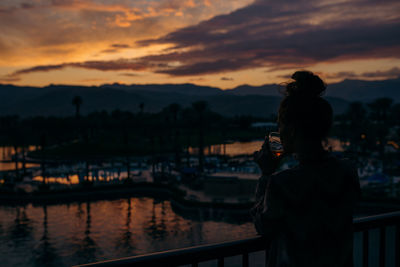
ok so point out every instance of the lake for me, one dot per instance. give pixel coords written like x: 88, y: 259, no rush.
x: 77, y: 233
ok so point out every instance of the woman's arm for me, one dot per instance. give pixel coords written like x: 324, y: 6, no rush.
x: 266, y: 207
x: 268, y: 211
x: 261, y: 187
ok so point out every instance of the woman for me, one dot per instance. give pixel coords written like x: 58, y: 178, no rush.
x: 306, y: 211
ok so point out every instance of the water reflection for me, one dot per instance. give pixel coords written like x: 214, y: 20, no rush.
x: 6, y: 153
x: 79, y: 213
x: 156, y: 228
x: 88, y: 247
x: 79, y: 233
x: 126, y: 241
x: 45, y: 253
x: 21, y: 229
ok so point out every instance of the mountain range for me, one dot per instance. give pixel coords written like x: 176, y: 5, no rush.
x: 243, y: 100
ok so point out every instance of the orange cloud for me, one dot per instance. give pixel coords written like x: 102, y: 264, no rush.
x: 51, y: 31
x: 267, y: 35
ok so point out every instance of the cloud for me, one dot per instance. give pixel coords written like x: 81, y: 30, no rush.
x: 227, y: 79
x: 40, y: 69
x: 114, y: 48
x: 9, y: 79
x: 279, y: 35
x: 120, y: 46
x: 129, y: 74
x: 109, y: 51
x: 273, y: 35
x: 93, y: 80
x: 201, y: 79
x: 385, y: 74
x: 27, y: 5
x: 223, y: 65
x: 393, y: 72
x: 111, y: 65
x: 85, y: 26
x: 125, y: 14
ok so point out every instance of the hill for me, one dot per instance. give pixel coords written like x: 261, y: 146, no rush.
x: 242, y: 100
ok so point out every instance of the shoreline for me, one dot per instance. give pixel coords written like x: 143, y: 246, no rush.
x: 161, y: 192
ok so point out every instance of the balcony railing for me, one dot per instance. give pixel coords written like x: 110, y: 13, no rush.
x: 219, y: 252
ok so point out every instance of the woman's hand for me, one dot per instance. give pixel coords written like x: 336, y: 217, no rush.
x: 266, y: 160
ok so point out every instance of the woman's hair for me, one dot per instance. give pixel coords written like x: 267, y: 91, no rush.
x: 303, y: 109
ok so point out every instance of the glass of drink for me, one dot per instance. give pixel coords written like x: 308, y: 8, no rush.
x: 275, y: 144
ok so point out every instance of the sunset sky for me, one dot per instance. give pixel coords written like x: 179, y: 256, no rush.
x: 221, y: 43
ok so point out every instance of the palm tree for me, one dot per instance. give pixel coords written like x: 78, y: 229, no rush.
x: 141, y: 107
x: 128, y: 162
x: 43, y: 160
x: 24, y: 160
x: 395, y: 114
x: 380, y: 109
x: 174, y: 109
x: 45, y: 251
x: 77, y: 102
x: 356, y: 115
x: 16, y: 162
x: 200, y: 107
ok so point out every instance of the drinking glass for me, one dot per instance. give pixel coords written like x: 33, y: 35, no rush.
x: 275, y: 143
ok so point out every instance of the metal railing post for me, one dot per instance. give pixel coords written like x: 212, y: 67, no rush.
x: 382, y: 246
x: 397, y: 246
x: 365, y: 248
x: 245, y: 260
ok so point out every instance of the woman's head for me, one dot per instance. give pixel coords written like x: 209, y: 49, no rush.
x: 304, y: 117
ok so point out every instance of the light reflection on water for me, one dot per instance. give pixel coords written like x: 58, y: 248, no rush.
x: 248, y: 148
x: 72, y: 179
x: 79, y: 233
x: 6, y: 152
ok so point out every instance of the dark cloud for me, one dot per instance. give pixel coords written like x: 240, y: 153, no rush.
x: 27, y: 5
x: 9, y: 79
x: 227, y: 79
x: 62, y: 2
x: 7, y: 10
x: 275, y: 35
x: 109, y: 51
x: 129, y: 74
x: 204, y: 68
x: 278, y: 35
x: 390, y: 73
x: 40, y: 69
x: 111, y: 65
x: 393, y: 72
x: 120, y: 46
x: 114, y: 48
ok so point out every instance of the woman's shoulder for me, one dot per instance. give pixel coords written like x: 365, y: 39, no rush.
x: 287, y: 175
x: 331, y: 168
x: 345, y: 165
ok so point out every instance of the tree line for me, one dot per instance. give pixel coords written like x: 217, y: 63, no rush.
x: 369, y: 126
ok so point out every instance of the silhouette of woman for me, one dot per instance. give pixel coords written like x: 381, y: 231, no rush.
x: 306, y: 211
